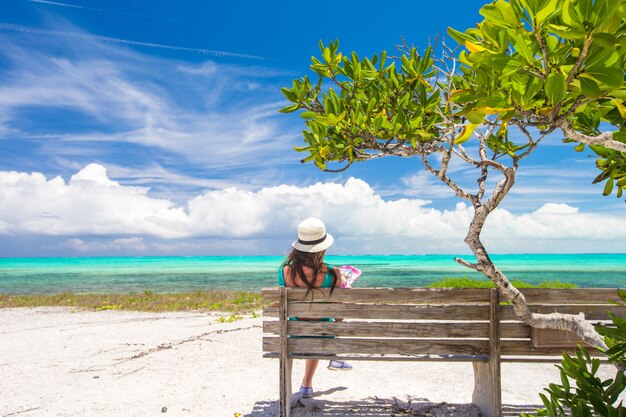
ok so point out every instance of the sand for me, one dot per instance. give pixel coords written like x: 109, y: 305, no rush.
x: 59, y: 362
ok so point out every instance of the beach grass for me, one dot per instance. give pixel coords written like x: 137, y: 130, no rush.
x: 234, y: 302
x: 465, y: 282
x: 218, y: 300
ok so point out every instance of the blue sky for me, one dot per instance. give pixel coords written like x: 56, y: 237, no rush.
x: 151, y: 128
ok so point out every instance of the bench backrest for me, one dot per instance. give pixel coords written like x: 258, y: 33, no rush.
x: 421, y: 323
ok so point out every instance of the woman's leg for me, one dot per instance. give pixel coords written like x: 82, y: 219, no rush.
x: 309, y: 370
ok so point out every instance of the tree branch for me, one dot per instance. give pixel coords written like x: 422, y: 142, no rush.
x: 457, y: 190
x: 579, y: 61
x: 605, y: 138
x: 544, y: 52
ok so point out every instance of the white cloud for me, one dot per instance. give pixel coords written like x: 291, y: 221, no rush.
x: 134, y: 244
x: 556, y: 208
x: 91, y: 204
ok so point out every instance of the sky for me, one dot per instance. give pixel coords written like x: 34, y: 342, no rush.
x: 152, y: 128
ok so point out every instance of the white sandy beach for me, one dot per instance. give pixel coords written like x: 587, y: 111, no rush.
x: 56, y: 362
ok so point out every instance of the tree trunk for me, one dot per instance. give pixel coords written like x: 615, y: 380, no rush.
x: 574, y: 323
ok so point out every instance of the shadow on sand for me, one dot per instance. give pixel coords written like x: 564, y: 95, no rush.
x: 320, y: 405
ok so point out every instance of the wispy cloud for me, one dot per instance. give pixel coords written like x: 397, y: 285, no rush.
x: 80, y: 35
x: 94, y: 9
x: 204, y: 117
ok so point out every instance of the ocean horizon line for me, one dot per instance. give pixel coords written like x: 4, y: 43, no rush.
x: 328, y: 255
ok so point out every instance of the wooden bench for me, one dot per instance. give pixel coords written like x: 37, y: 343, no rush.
x: 418, y: 324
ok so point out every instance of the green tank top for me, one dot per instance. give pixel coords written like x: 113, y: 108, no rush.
x: 328, y: 279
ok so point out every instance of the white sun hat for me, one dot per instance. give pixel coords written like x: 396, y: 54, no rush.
x: 312, y: 236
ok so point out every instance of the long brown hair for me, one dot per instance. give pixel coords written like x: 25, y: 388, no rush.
x: 297, y: 260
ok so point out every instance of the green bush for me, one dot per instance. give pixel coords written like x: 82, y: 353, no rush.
x: 615, y: 337
x: 590, y: 396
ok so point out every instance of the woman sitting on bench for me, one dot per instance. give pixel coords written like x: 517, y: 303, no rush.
x: 305, y: 267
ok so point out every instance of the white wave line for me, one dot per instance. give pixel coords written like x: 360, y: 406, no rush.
x: 76, y: 6
x: 211, y: 52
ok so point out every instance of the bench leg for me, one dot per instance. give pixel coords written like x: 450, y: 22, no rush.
x: 285, y: 386
x: 487, y: 394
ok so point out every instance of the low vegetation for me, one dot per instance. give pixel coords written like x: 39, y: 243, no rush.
x: 465, y: 282
x: 224, y: 301
x: 235, y: 302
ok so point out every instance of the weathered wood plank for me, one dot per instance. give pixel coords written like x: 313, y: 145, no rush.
x: 592, y: 311
x: 548, y: 358
x: 446, y: 295
x: 568, y: 295
x: 514, y: 330
x: 382, y: 329
x: 384, y: 295
x: 543, y: 338
x: 525, y: 348
x: 381, y: 346
x: 394, y: 358
x: 385, y: 311
x: 508, y: 330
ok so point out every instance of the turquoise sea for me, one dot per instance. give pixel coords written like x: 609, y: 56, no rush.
x: 178, y: 274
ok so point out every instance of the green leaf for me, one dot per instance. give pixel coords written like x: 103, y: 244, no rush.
x: 570, y: 16
x: 308, y: 115
x: 608, y: 187
x: 460, y: 37
x: 320, y: 165
x: 548, y: 11
x: 589, y: 87
x: 567, y: 32
x: 289, y: 109
x: 610, y: 77
x: 523, y: 47
x: 475, y: 117
x: 555, y: 87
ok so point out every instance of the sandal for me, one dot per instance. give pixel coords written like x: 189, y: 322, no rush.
x: 339, y: 366
x: 306, y: 392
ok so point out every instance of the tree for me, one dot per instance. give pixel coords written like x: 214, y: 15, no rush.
x: 530, y: 69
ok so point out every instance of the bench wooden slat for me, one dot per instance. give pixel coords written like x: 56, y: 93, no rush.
x: 381, y: 346
x: 385, y: 311
x: 382, y: 329
x: 592, y: 312
x: 514, y: 330
x: 447, y: 295
x: 525, y: 348
x: 378, y: 357
x: 569, y: 295
x: 399, y: 329
x: 384, y: 295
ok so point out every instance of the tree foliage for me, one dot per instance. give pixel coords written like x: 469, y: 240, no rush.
x: 537, y: 65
